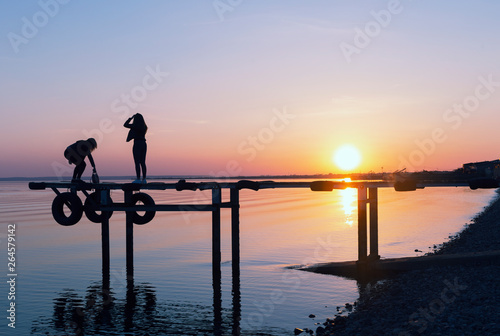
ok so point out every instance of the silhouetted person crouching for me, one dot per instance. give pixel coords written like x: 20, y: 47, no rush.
x: 76, y: 153
x: 137, y: 132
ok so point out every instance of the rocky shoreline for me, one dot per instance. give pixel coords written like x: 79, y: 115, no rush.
x: 450, y: 300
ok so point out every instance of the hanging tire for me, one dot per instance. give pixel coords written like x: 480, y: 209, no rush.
x: 73, y: 202
x: 147, y: 200
x: 91, y: 206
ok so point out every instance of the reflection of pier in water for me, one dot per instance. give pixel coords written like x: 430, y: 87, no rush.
x: 101, y: 311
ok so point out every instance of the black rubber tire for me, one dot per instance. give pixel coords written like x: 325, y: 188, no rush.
x: 321, y: 186
x: 147, y: 200
x: 73, y: 202
x: 246, y: 184
x: 90, y: 208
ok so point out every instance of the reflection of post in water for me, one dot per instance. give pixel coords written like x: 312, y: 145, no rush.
x: 130, y: 303
x: 236, y: 300
x: 217, y: 306
x: 100, y: 311
x: 68, y: 313
x: 236, y: 316
x: 133, y: 309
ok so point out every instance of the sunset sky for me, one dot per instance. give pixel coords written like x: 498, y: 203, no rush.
x: 240, y: 87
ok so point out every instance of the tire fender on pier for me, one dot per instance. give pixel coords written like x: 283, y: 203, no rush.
x: 146, y: 200
x: 91, y: 206
x: 73, y: 202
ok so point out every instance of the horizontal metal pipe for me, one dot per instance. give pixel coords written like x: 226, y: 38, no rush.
x: 212, y: 185
x: 159, y: 207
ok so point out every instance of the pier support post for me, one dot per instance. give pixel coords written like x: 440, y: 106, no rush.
x: 235, y: 250
x: 235, y: 228
x: 362, y: 225
x: 373, y: 199
x: 105, y: 239
x: 129, y: 227
x: 216, y: 240
x: 216, y: 259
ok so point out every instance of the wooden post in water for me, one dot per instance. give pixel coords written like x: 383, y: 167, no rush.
x: 216, y: 259
x: 362, y: 225
x: 235, y: 228
x: 129, y: 227
x: 373, y: 199
x: 104, y: 193
x: 235, y: 250
x: 216, y: 253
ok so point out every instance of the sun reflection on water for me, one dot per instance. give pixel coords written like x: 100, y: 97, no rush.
x: 348, y: 199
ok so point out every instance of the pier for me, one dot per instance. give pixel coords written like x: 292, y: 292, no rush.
x: 97, y: 199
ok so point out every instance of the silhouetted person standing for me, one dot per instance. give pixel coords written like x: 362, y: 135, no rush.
x: 76, y: 154
x: 137, y: 132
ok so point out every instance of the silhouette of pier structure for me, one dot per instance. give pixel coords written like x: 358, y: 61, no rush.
x: 100, y: 201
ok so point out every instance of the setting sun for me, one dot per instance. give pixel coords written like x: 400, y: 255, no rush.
x: 347, y: 157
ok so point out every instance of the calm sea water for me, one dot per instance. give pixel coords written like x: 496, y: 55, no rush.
x: 59, y: 277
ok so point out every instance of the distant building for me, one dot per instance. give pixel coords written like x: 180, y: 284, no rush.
x: 483, y: 169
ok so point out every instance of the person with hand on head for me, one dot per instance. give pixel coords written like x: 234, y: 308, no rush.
x: 137, y: 132
x: 76, y: 154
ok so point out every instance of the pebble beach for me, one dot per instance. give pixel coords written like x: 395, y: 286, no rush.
x: 438, y: 301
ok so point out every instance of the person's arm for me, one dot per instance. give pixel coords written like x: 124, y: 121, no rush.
x: 91, y: 160
x: 127, y: 123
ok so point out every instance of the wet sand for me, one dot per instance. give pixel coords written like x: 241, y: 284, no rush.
x: 444, y: 300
